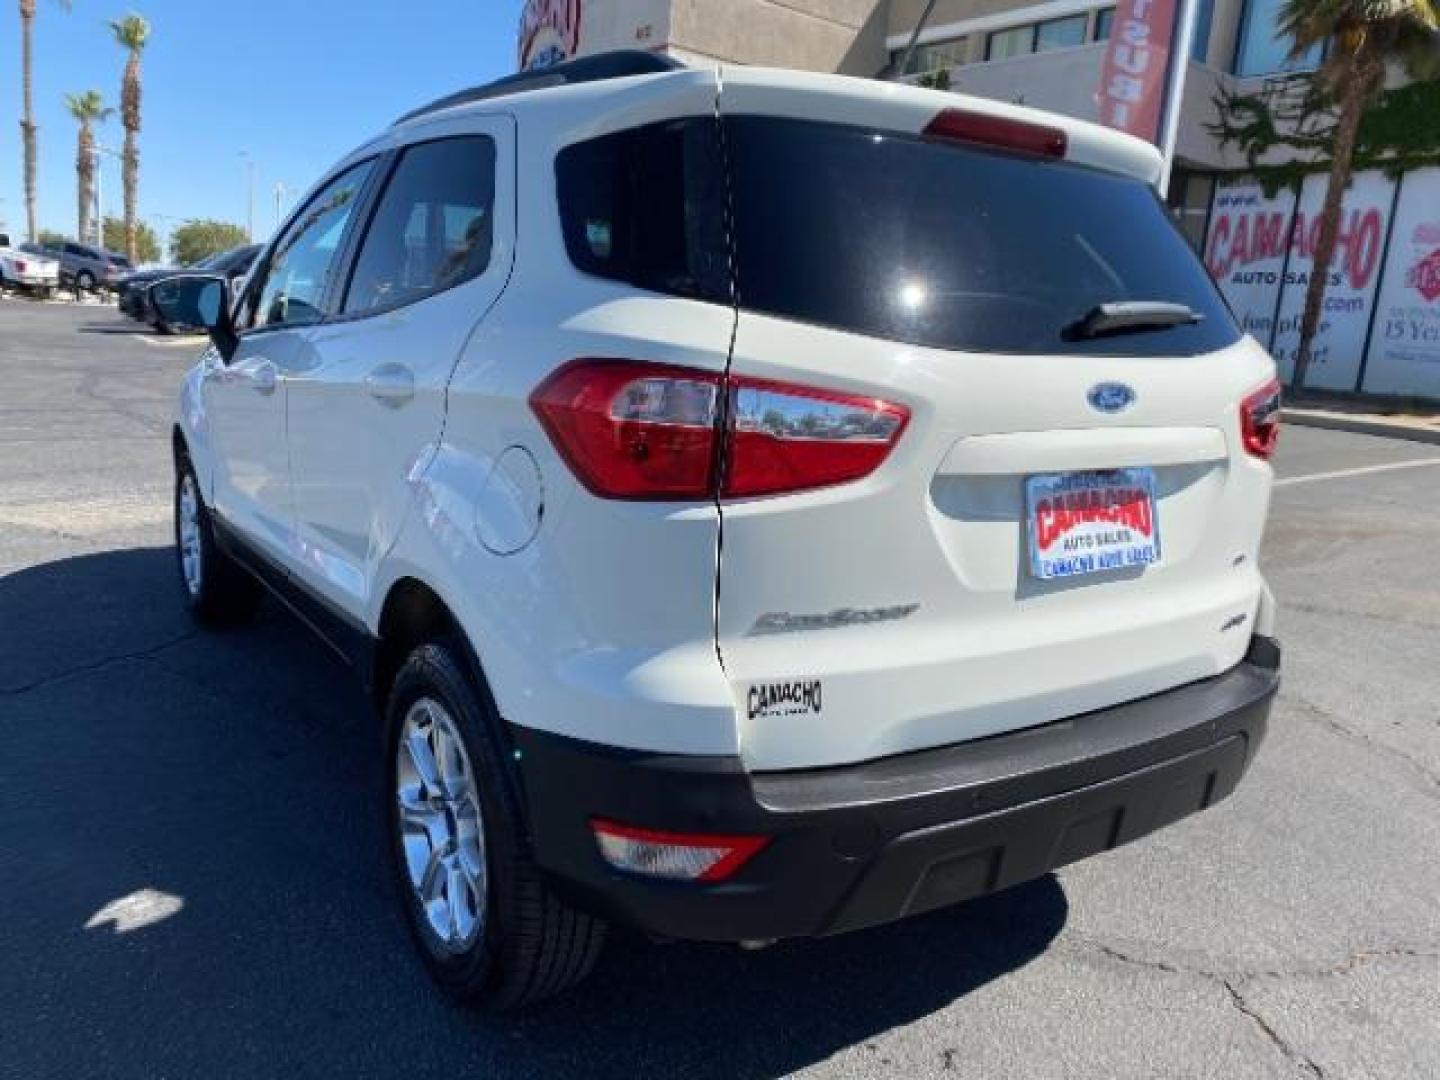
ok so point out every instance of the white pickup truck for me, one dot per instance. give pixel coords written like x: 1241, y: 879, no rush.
x: 33, y: 272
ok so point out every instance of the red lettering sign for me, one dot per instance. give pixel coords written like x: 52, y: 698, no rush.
x: 1424, y: 276
x: 549, y: 31
x: 1054, y: 517
x: 1132, y: 78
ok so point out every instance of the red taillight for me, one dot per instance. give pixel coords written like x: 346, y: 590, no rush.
x: 961, y: 125
x: 633, y: 430
x: 1260, y: 419
x: 789, y: 438
x: 20, y: 266
x: 674, y: 856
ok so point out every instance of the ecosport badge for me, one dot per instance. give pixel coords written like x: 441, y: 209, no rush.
x: 783, y: 622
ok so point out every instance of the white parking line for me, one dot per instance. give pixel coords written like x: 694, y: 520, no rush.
x: 1364, y: 470
x: 177, y: 342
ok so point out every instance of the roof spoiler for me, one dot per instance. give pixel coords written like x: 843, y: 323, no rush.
x: 609, y: 65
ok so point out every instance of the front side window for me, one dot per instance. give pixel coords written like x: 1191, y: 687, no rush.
x: 1104, y: 20
x: 432, y: 229
x: 1263, y: 49
x: 303, y: 261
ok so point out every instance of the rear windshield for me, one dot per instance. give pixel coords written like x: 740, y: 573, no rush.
x: 885, y: 235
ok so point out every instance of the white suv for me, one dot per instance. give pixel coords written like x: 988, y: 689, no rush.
x: 763, y: 504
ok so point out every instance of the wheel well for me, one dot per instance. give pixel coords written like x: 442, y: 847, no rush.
x: 413, y: 614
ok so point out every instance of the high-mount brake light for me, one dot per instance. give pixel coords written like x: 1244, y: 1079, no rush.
x: 674, y: 856
x: 962, y: 125
x: 1260, y: 420
x: 632, y: 430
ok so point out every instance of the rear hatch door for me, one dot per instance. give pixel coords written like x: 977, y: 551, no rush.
x: 1066, y: 521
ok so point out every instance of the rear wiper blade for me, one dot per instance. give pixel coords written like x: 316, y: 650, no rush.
x: 1128, y: 316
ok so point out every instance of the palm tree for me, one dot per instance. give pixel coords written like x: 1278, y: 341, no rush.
x: 87, y: 109
x: 27, y: 117
x: 131, y: 33
x: 1365, y: 37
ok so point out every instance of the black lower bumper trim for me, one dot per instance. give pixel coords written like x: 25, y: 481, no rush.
x: 860, y: 845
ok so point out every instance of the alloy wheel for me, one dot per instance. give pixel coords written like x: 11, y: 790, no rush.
x: 192, y: 566
x: 442, y: 836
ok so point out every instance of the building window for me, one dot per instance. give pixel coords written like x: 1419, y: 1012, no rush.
x: 1003, y: 44
x: 1104, y: 19
x: 1200, y: 47
x: 1063, y: 33
x: 1262, y: 49
x: 932, y: 56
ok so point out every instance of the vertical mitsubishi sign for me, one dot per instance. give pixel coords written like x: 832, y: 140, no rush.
x: 1133, y: 76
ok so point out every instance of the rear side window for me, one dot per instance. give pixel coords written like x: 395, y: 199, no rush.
x: 646, y: 207
x: 952, y: 247
x: 433, y: 227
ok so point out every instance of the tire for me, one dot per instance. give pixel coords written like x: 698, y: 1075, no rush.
x: 85, y: 281
x: 217, y: 590
x: 516, y: 942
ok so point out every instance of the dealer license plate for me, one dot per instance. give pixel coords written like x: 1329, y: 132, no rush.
x: 1091, y: 522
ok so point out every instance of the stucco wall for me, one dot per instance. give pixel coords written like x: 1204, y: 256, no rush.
x: 813, y: 35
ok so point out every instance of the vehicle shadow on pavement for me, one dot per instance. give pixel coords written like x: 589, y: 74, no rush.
x: 193, y: 882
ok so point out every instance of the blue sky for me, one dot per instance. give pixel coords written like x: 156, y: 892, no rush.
x: 296, y: 83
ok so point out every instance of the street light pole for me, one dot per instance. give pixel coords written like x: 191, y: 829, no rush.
x: 249, y: 194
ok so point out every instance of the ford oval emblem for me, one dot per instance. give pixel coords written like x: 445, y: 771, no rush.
x: 1111, y: 397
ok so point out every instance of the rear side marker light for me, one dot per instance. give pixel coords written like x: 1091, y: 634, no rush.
x: 674, y: 856
x: 961, y: 125
x: 1260, y: 420
x: 632, y: 430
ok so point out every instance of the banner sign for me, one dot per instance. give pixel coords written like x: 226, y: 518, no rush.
x: 1350, y: 292
x: 1404, y: 355
x: 1132, y: 77
x: 549, y: 32
x: 1245, y: 250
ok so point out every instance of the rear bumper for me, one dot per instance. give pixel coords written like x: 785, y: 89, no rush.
x: 861, y: 845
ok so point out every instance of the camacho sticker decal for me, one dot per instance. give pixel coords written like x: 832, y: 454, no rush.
x: 784, y: 699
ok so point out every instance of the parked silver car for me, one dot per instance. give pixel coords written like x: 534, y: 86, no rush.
x: 86, y: 267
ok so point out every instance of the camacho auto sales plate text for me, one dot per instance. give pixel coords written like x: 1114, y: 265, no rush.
x: 1089, y: 522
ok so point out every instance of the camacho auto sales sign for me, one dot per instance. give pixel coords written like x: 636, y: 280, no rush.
x: 549, y: 32
x: 1404, y: 353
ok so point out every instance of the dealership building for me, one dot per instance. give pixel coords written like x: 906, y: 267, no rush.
x: 1381, y: 330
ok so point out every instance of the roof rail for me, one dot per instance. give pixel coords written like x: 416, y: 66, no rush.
x: 601, y: 66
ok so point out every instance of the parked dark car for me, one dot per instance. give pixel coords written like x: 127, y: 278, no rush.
x: 233, y: 265
x: 133, y: 291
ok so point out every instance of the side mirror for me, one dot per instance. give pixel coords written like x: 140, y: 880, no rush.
x: 198, y: 300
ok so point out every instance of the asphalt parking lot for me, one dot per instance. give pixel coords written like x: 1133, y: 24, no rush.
x: 191, y: 860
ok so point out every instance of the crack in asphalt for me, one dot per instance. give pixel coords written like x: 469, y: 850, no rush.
x: 1231, y: 982
x: 1388, y: 617
x: 1291, y: 1054
x: 94, y: 665
x: 1348, y: 964
x: 1318, y: 714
